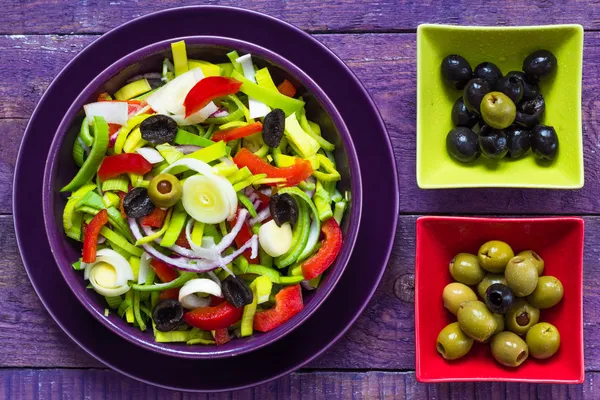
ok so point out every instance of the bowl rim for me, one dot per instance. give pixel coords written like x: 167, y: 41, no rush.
x: 579, y: 223
x: 55, y: 236
x: 423, y: 183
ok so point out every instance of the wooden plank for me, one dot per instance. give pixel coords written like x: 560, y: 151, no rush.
x: 68, y: 16
x: 386, y: 327
x: 100, y: 383
x: 385, y: 64
x: 12, y: 131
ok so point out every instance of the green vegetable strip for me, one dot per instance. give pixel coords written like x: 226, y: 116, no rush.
x: 272, y: 98
x: 248, y: 314
x: 180, y: 60
x: 77, y: 265
x: 117, y: 184
x: 331, y: 174
x: 136, y: 311
x: 264, y: 258
x: 299, y: 238
x: 172, y: 337
x: 210, y: 131
x: 84, y: 133
x: 130, y: 318
x: 315, y: 127
x: 257, y: 269
x: 223, y: 228
x: 175, y: 226
x: 78, y: 152
x: 304, y: 185
x: 169, y: 153
x: 296, y: 270
x: 236, y: 115
x: 123, y: 253
x: 200, y: 341
x: 338, y: 212
x: 233, y: 56
x: 143, y: 96
x: 241, y: 106
x: 337, y: 196
x: 179, y: 282
x: 197, y: 232
x: 91, y: 164
x: 185, y: 137
x: 249, y: 181
x: 135, y: 266
x: 92, y: 203
x: 299, y: 194
x: 290, y: 280
x: 149, y: 281
x: 326, y: 145
x: 247, y: 204
x: 239, y: 175
x: 125, y: 305
x: 263, y: 151
x: 117, y: 221
x: 126, y: 130
x: 110, y: 199
x: 133, y: 89
x: 263, y: 78
x: 322, y: 202
x: 120, y: 241
x: 210, y: 153
x: 167, y: 71
x: 114, y: 302
x: 154, y: 298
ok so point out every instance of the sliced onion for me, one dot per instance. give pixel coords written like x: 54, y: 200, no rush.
x: 260, y: 217
x: 306, y: 285
x: 197, y: 117
x: 214, y: 277
x: 220, y: 113
x: 209, y: 198
x: 252, y: 243
x: 169, y: 98
x: 253, y: 197
x: 256, y: 204
x: 113, y: 112
x: 227, y: 161
x: 313, y: 238
x: 267, y: 191
x: 193, y: 164
x: 123, y: 272
x: 200, y: 285
x: 187, y: 148
x: 230, y: 237
x: 142, y: 110
x: 151, y: 155
x: 192, y: 301
x: 257, y: 108
x: 144, y: 268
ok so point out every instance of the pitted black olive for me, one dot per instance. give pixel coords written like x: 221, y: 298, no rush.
x: 273, y: 127
x: 236, y: 292
x: 283, y: 209
x: 137, y: 203
x: 159, y: 129
x: 167, y: 315
x: 529, y: 113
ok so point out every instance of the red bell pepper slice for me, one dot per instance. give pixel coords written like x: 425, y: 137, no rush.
x: 288, y: 302
x: 113, y: 128
x: 155, y: 219
x: 121, y: 208
x: 121, y: 163
x: 286, y: 88
x: 222, y: 336
x: 332, y: 244
x: 208, y: 89
x: 182, y: 240
x: 237, y: 133
x: 294, y: 174
x: 165, y: 274
x: 90, y: 239
x: 213, y: 318
x: 242, y: 237
x: 104, y: 97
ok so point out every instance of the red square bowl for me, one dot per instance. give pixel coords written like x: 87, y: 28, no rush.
x: 559, y: 241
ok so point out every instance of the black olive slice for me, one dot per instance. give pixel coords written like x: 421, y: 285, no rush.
x: 236, y: 292
x: 273, y: 126
x: 137, y: 203
x: 159, y: 129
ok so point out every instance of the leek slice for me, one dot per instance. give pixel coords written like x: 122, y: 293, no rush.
x: 299, y: 238
x: 185, y: 137
x: 110, y: 199
x: 322, y: 201
x: 157, y: 234
x: 249, y: 312
x: 169, y: 153
x: 120, y: 241
x: 180, y: 60
x: 133, y: 89
x: 263, y: 78
x: 116, y: 184
x: 331, y: 174
x: 247, y: 204
x: 338, y: 212
x: 208, y: 69
x: 134, y: 141
x: 125, y: 131
x: 175, y: 227
x: 303, y: 142
x: 176, y: 283
x: 233, y: 56
x: 307, y: 127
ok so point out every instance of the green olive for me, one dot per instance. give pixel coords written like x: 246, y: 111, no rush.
x: 455, y: 294
x: 452, y: 343
x: 488, y: 281
x: 535, y: 257
x: 548, y: 293
x: 509, y: 349
x: 465, y: 268
x: 498, y: 110
x: 494, y: 255
x: 500, y: 321
x: 164, y: 190
x: 521, y: 317
x: 521, y: 276
x: 476, y: 320
x: 543, y: 340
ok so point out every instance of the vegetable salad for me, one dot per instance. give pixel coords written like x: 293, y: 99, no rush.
x: 205, y: 200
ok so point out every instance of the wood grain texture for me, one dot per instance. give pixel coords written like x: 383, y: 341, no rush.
x: 30, y: 338
x: 96, y: 16
x: 99, y: 383
x: 386, y: 65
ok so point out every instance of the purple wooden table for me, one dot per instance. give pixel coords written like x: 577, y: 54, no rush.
x: 377, y: 40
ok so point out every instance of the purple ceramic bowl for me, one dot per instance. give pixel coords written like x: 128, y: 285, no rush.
x: 149, y: 59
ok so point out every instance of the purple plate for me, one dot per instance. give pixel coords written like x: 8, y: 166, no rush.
x: 60, y: 169
x: 373, y: 246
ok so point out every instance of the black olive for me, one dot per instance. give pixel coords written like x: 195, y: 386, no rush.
x: 137, y: 203
x: 511, y: 86
x: 499, y: 298
x: 159, y: 129
x: 544, y: 142
x: 283, y: 209
x: 530, y: 112
x: 461, y: 116
x: 462, y: 144
x: 488, y: 71
x: 167, y: 315
x: 456, y: 71
x: 493, y: 142
x: 474, y: 92
x: 530, y: 88
x: 236, y: 292
x: 273, y: 125
x: 539, y: 63
x: 518, y: 141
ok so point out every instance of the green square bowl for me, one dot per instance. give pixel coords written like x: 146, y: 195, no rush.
x: 506, y: 47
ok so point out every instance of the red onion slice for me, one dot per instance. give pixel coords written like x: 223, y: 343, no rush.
x: 262, y: 215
